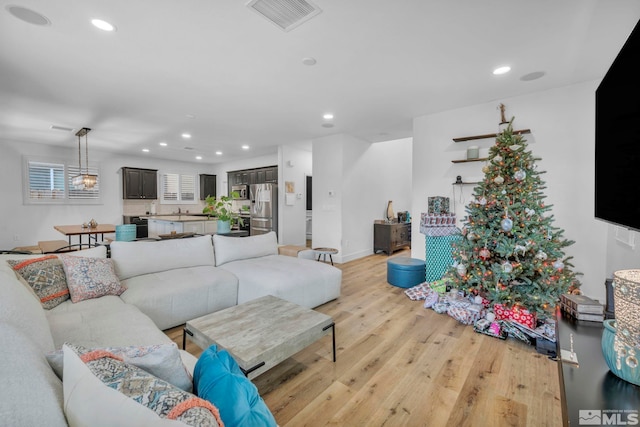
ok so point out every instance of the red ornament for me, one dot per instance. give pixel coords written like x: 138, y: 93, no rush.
x: 484, y: 254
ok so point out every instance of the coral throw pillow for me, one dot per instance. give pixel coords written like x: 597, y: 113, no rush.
x: 91, y: 277
x: 46, y: 277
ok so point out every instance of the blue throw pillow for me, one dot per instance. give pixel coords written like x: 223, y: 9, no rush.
x: 218, y: 379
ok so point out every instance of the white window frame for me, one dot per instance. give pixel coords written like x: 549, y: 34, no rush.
x: 68, y: 195
x: 181, y: 179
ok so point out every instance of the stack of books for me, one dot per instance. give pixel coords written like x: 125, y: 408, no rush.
x: 582, y: 307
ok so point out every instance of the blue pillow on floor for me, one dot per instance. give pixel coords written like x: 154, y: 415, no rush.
x: 218, y: 379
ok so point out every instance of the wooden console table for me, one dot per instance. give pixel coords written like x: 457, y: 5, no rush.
x: 590, y: 386
x: 390, y: 237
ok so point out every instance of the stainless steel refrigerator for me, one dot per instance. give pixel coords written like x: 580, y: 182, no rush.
x: 264, y: 208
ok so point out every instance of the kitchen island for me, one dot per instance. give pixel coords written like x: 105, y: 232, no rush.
x: 166, y: 224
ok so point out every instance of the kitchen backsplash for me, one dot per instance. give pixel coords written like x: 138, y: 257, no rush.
x: 240, y: 205
x: 143, y: 207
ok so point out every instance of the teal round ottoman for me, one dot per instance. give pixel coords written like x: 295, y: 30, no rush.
x: 405, y: 272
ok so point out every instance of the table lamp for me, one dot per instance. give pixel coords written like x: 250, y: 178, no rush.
x: 621, y: 336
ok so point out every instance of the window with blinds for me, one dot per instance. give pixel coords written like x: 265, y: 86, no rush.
x: 46, y: 181
x: 178, y: 188
x: 50, y: 183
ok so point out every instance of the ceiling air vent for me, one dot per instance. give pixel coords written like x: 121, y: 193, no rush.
x: 56, y: 127
x: 286, y: 14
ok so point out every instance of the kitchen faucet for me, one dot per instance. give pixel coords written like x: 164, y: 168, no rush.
x: 179, y: 211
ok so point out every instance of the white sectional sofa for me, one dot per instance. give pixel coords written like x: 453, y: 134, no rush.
x: 173, y: 281
x: 168, y: 283
x: 262, y: 271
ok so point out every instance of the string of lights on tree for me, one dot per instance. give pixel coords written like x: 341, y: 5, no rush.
x: 511, y: 253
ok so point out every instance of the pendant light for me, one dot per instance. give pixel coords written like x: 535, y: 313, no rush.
x: 84, y: 181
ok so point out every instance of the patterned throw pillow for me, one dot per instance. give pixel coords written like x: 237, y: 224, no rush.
x: 46, y: 277
x: 160, y: 360
x: 92, y: 376
x: 91, y: 277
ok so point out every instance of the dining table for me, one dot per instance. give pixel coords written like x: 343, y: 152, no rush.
x: 81, y: 230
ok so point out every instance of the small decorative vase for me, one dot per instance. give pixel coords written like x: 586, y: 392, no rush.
x: 390, y: 214
x: 93, y: 223
x: 223, y: 227
x: 616, y: 361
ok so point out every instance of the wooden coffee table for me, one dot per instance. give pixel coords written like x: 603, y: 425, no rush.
x: 261, y: 333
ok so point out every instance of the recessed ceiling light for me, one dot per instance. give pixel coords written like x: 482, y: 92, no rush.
x: 145, y: 150
x: 501, y: 70
x: 532, y: 76
x: 327, y: 116
x: 162, y: 144
x: 103, y: 25
x: 218, y: 153
x: 245, y: 147
x: 186, y: 135
x: 198, y: 157
x: 27, y: 15
x: 309, y: 61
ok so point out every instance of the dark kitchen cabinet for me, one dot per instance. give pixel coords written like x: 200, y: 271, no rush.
x: 253, y: 176
x: 239, y: 178
x: 139, y: 183
x: 207, y: 186
x: 256, y: 177
x: 391, y: 237
x: 271, y: 175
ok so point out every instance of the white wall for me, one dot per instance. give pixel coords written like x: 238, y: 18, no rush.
x: 327, y: 192
x: 363, y: 177
x: 562, y: 126
x: 376, y: 173
x: 297, y: 164
x: 623, y: 249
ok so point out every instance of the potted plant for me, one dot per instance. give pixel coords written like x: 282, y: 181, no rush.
x: 221, y: 208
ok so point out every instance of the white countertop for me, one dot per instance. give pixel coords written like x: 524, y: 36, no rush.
x: 181, y: 218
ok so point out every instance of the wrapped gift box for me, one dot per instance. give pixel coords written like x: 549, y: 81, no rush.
x: 440, y: 286
x: 438, y: 205
x: 418, y: 292
x: 439, y: 256
x: 466, y: 315
x: 455, y: 300
x: 438, y: 225
x: 437, y: 220
x: 515, y: 314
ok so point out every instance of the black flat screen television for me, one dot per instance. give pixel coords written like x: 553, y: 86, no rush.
x: 617, y: 164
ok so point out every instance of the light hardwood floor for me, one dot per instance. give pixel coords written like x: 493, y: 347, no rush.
x: 399, y: 364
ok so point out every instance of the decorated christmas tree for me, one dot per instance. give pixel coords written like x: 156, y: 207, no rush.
x: 511, y: 254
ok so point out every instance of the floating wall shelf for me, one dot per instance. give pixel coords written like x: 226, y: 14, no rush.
x: 489, y: 135
x: 482, y: 159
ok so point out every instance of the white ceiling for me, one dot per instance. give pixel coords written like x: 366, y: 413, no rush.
x: 379, y: 64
